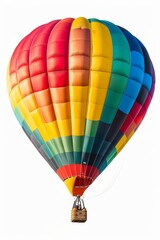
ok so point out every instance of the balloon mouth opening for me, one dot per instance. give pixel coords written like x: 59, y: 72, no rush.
x: 77, y: 177
x: 81, y: 184
x: 77, y: 185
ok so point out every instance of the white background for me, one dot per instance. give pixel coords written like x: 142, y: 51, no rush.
x: 124, y: 202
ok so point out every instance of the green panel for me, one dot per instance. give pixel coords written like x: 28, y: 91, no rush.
x: 77, y: 143
x: 108, y: 160
x: 118, y: 83
x: 111, y: 156
x: 18, y: 115
x: 58, y: 160
x: 69, y: 158
x: 119, y: 73
x: 120, y: 48
x: 77, y: 157
x: 26, y: 127
x: 47, y: 151
x: 38, y: 137
x: 121, y: 68
x: 108, y: 114
x: 88, y: 144
x: 91, y: 128
x: 52, y: 147
x: 113, y: 99
x: 57, y: 142
x: 67, y: 143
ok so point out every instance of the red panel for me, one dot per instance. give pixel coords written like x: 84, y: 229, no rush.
x: 17, y: 61
x: 77, y: 170
x: 57, y: 54
x: 133, y: 113
x: 58, y: 79
x: 39, y: 82
x: 143, y: 111
x: 135, y: 109
x: 37, y: 57
x: 147, y: 102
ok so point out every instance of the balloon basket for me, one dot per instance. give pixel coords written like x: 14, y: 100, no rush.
x: 79, y: 212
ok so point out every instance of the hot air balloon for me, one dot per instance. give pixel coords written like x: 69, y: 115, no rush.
x: 80, y: 89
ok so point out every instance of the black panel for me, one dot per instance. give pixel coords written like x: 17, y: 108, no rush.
x: 100, y: 136
x: 92, y: 158
x: 26, y: 132
x: 49, y: 161
x: 142, y: 95
x: 117, y: 123
x: 34, y: 141
x: 148, y: 64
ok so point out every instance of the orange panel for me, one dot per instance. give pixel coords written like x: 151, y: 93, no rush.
x: 79, y: 77
x: 13, y: 80
x: 62, y: 111
x: 80, y: 47
x: 48, y: 114
x: 43, y: 98
x: 79, y: 62
x: 25, y: 87
x: 60, y: 95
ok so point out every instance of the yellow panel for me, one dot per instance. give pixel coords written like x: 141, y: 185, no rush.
x: 101, y: 64
x: 23, y: 109
x: 69, y: 182
x: 15, y: 96
x: 27, y: 117
x: 94, y: 111
x: 36, y: 115
x: 43, y: 132
x: 30, y: 122
x: 100, y: 79
x: 78, y: 127
x: 64, y: 127
x: 30, y: 102
x: 97, y: 95
x: 78, y: 110
x: 62, y: 110
x: 80, y: 22
x: 121, y: 143
x: 78, y: 93
x: 101, y: 41
x: 52, y: 130
x: 12, y: 101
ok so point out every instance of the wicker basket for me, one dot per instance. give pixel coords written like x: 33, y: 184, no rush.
x: 78, y: 215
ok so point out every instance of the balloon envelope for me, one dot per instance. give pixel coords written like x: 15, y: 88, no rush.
x: 80, y: 88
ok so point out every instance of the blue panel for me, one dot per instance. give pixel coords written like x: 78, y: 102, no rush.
x: 126, y: 104
x: 137, y: 74
x: 134, y: 46
x: 147, y: 81
x: 137, y: 60
x: 132, y: 89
